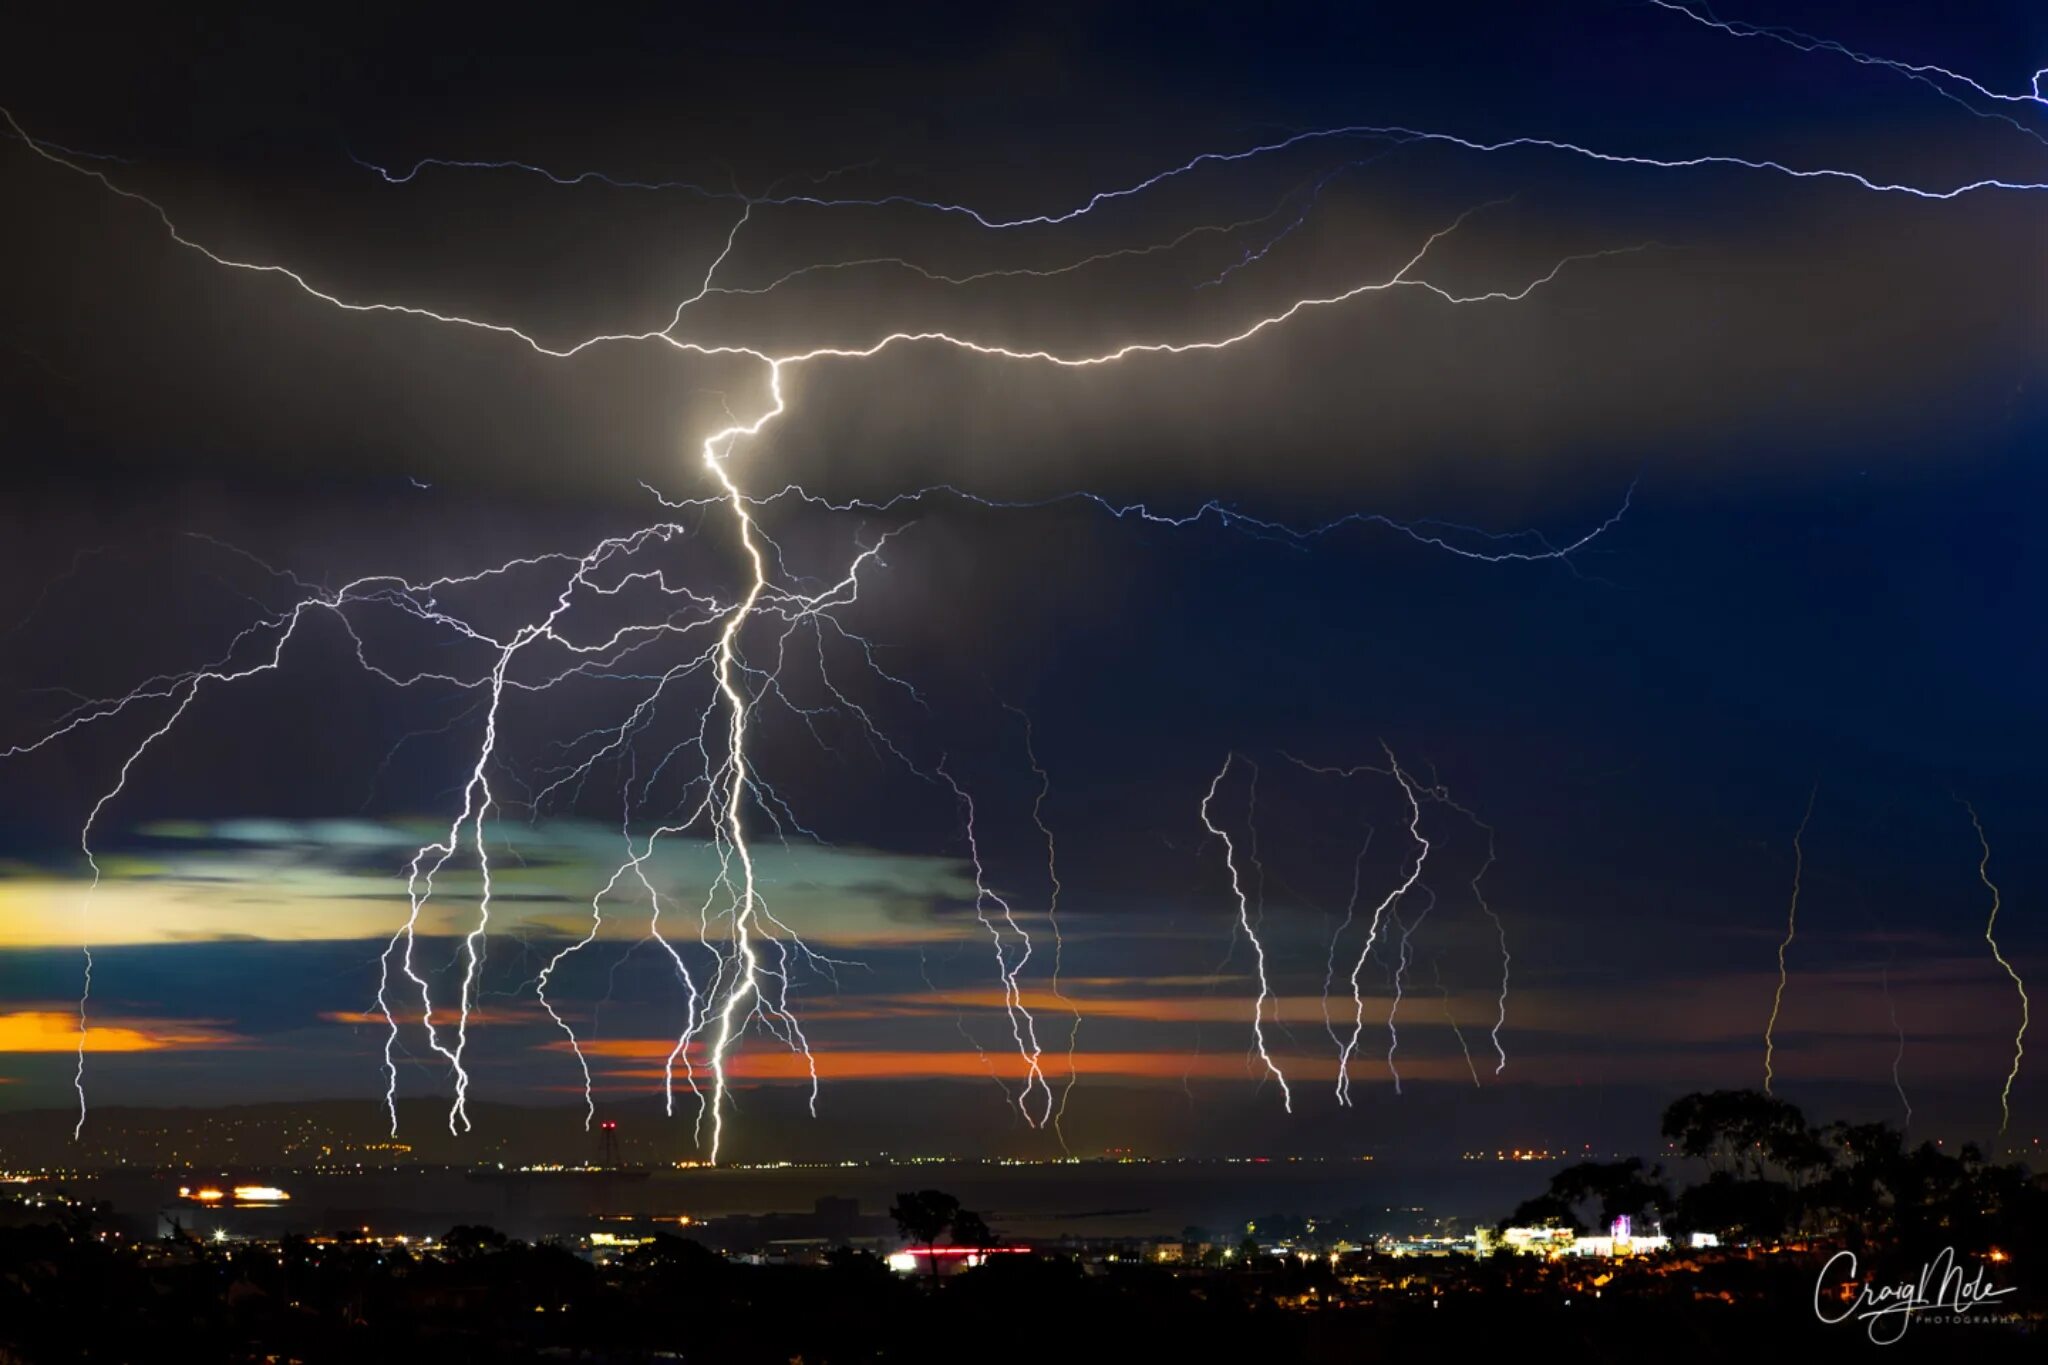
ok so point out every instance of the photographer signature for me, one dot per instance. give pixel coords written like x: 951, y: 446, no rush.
x: 1887, y: 1310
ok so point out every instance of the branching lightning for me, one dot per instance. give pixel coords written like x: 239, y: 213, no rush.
x: 1052, y: 919
x: 1386, y: 907
x: 739, y: 648
x: 1937, y: 78
x: 737, y: 645
x: 1401, y: 941
x: 1012, y: 956
x: 1309, y: 137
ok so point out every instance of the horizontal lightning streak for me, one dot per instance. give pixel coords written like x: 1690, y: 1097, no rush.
x: 1927, y: 73
x: 1341, y: 132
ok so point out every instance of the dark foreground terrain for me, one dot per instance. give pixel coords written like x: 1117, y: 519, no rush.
x: 68, y: 1295
x: 1801, y: 1242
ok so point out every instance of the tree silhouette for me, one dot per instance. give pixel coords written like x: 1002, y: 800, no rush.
x: 1752, y: 1210
x: 1760, y: 1153
x: 971, y: 1230
x: 1618, y: 1187
x: 466, y: 1241
x: 1544, y: 1211
x: 1736, y: 1130
x: 923, y: 1217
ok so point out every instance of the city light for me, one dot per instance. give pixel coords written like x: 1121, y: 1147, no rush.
x: 909, y: 1258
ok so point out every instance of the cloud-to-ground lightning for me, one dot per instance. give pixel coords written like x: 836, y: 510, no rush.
x: 1404, y: 957
x: 434, y: 602
x: 2019, y: 1037
x: 1388, y: 912
x: 1052, y: 919
x: 745, y: 979
x: 1250, y: 930
x: 1791, y: 932
x: 1442, y: 796
x: 1350, y: 914
x: 1013, y: 955
x: 1450, y: 1017
x: 1387, y: 907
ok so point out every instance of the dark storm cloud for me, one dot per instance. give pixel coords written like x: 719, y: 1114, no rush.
x: 1823, y: 314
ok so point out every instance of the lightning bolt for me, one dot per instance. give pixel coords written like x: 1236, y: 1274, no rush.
x: 1437, y: 970
x: 2019, y: 1049
x: 1402, y: 957
x: 1387, y: 907
x: 749, y: 978
x: 1052, y: 916
x: 1250, y: 931
x: 749, y: 981
x: 718, y: 450
x: 1349, y: 132
x: 1926, y: 73
x: 1791, y: 930
x: 1023, y: 1028
x: 777, y: 364
x: 1441, y: 794
x: 1350, y: 914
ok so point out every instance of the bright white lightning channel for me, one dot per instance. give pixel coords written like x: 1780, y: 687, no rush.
x: 748, y: 980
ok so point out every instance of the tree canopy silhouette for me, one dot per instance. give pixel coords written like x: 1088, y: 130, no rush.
x: 927, y: 1215
x: 1771, y: 1174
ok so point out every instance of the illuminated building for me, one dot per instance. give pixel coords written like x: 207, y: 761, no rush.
x: 1444, y: 1245
x: 1539, y: 1241
x: 1610, y: 1246
x: 1620, y: 1241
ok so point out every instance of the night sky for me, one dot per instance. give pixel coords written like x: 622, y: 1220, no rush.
x: 1806, y: 414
